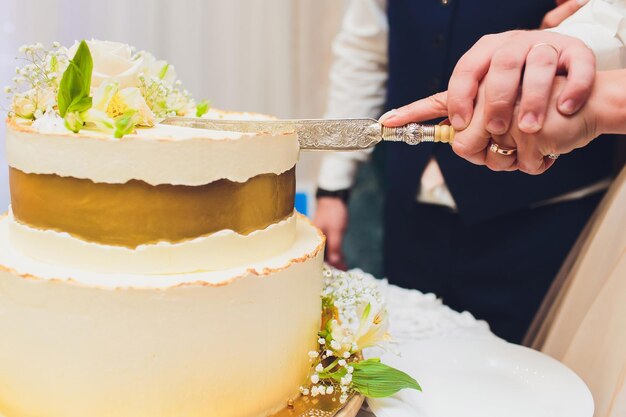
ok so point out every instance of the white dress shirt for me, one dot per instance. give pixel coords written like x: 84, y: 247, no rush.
x: 359, y: 77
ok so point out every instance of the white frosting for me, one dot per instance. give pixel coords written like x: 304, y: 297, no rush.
x: 221, y: 250
x: 307, y: 239
x: 75, y: 344
x: 159, y: 155
x: 50, y: 122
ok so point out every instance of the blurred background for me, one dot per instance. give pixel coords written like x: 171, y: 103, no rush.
x: 263, y: 56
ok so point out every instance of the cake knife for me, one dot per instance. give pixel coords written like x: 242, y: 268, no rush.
x: 327, y: 134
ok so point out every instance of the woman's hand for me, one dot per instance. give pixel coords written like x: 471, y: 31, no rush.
x: 560, y: 134
x: 564, y: 9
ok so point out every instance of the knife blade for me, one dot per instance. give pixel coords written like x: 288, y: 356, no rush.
x: 327, y: 134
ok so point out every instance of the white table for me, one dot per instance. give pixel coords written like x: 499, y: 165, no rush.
x: 416, y: 316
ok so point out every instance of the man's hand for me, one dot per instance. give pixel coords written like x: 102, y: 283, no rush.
x: 530, y: 59
x: 331, y: 216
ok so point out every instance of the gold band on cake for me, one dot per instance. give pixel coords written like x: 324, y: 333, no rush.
x: 136, y: 213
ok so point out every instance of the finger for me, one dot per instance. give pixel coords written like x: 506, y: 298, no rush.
x: 548, y: 162
x: 428, y: 108
x: 499, y: 162
x: 564, y: 10
x: 541, y: 65
x: 502, y: 86
x: 471, y: 143
x: 465, y: 79
x: 580, y: 64
x: 529, y: 159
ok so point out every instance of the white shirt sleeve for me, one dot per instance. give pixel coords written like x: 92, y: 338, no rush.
x: 358, y: 80
x: 601, y: 24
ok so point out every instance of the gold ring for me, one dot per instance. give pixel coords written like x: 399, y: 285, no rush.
x: 558, y: 53
x: 495, y: 148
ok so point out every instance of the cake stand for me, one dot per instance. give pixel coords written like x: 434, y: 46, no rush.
x: 323, y: 406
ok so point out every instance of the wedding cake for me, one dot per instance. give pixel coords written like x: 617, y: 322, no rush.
x: 147, y: 270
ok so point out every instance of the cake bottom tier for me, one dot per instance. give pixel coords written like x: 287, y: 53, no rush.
x: 220, y: 344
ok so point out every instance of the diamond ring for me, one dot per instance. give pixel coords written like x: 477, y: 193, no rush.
x: 495, y: 148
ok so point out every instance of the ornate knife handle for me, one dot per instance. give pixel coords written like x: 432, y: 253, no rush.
x: 415, y: 133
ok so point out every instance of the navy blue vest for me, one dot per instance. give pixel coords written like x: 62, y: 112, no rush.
x: 427, y: 38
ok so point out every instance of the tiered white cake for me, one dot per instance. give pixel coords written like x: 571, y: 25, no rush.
x: 163, y: 274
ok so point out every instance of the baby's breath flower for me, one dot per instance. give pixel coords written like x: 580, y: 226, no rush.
x: 321, y: 341
x: 346, y: 354
x: 36, y: 83
x: 342, y: 362
x: 330, y: 389
x: 315, y: 378
x: 313, y: 354
x: 319, y: 368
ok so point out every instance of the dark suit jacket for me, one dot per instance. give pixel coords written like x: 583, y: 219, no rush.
x: 427, y: 38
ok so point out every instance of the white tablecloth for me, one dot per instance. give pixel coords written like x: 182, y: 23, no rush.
x: 414, y: 316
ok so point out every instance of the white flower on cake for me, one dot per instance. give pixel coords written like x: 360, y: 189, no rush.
x: 110, y: 103
x: 112, y: 62
x: 157, y: 68
x: 99, y: 85
x: 24, y: 105
x: 354, y: 317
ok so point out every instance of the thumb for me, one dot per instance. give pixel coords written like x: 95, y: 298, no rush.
x: 427, y: 108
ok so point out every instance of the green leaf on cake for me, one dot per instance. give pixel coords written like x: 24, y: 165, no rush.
x: 163, y: 71
x: 202, y: 108
x: 74, y: 89
x: 377, y: 380
x: 125, y: 124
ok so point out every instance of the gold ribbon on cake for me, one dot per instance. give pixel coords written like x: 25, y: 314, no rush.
x: 137, y: 213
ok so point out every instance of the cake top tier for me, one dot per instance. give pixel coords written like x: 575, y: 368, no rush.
x: 92, y: 111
